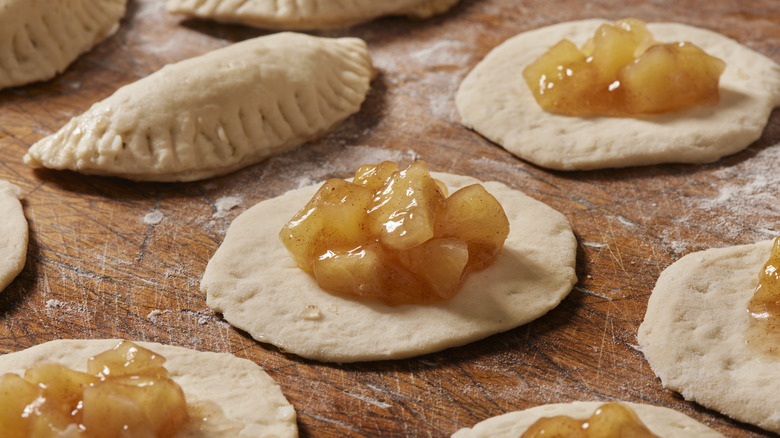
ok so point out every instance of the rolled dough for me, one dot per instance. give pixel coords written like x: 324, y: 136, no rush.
x: 663, y: 422
x: 495, y: 101
x: 13, y: 234
x: 694, y: 334
x: 243, y: 391
x: 257, y: 286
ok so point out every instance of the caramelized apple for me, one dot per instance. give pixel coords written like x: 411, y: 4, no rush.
x: 764, y: 306
x: 334, y: 215
x: 609, y: 420
x: 623, y: 72
x: 126, y: 392
x: 405, y: 242
x: 402, y: 212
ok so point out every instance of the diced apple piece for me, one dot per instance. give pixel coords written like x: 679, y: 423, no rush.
x: 616, y: 45
x: 669, y: 77
x: 551, y: 73
x: 367, y: 272
x: 15, y: 395
x: 334, y: 219
x: 375, y: 176
x: 133, y: 407
x: 440, y: 263
x: 127, y: 358
x: 403, y: 213
x: 474, y: 216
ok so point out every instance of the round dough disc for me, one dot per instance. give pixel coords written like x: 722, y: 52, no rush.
x: 257, y: 286
x: 661, y: 421
x: 244, y: 393
x: 495, y: 101
x: 13, y: 234
x: 694, y: 333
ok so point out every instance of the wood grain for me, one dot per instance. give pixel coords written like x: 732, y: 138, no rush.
x: 98, y: 266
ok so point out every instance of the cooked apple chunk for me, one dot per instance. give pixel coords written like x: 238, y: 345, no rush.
x: 395, y: 235
x: 125, y: 392
x: 622, y: 71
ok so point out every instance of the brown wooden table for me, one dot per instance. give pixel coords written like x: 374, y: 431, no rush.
x: 112, y: 258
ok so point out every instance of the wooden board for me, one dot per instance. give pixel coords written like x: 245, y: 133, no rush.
x: 112, y: 258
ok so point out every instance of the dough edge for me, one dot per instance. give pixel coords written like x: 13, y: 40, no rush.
x: 13, y: 234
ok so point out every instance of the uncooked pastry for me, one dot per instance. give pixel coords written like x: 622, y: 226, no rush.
x: 495, y: 101
x: 255, y: 283
x: 216, y: 113
x: 245, y: 394
x: 13, y: 234
x: 694, y: 334
x: 305, y: 14
x: 663, y: 422
x: 40, y: 38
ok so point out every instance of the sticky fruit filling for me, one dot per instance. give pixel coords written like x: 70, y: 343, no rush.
x: 623, y: 72
x: 126, y: 391
x: 764, y: 305
x: 396, y: 235
x: 608, y: 421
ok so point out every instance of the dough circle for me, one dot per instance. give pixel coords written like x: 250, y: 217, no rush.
x: 495, y: 101
x: 257, y: 286
x: 663, y: 422
x: 243, y: 391
x: 693, y: 334
x: 13, y: 234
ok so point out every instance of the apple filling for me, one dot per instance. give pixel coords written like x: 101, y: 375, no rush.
x: 608, y: 421
x: 764, y: 305
x: 125, y: 392
x: 623, y: 72
x: 395, y: 235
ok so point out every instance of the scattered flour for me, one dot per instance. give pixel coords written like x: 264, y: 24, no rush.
x: 153, y: 218
x: 225, y: 204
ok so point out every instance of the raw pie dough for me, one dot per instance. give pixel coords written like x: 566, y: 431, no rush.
x: 216, y: 113
x: 305, y: 14
x: 13, y: 234
x: 243, y: 391
x: 40, y: 38
x: 495, y: 101
x: 664, y: 422
x: 694, y: 333
x: 257, y: 286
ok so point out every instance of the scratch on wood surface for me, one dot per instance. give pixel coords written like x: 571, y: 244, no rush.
x: 616, y: 253
x: 369, y: 400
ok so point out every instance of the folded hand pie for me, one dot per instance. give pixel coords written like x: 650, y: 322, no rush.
x: 306, y: 14
x: 39, y: 39
x: 215, y: 113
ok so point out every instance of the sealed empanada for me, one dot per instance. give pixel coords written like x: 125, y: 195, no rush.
x: 39, y: 39
x: 216, y: 113
x: 305, y: 14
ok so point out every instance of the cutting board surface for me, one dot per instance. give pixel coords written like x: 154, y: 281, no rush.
x: 113, y: 258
